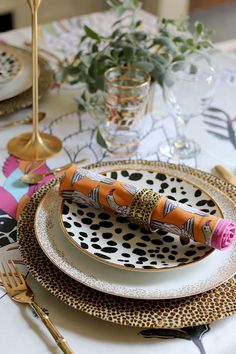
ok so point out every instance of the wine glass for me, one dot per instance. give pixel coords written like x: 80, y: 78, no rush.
x: 188, y: 90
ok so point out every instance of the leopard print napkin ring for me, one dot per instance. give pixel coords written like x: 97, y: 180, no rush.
x: 142, y: 207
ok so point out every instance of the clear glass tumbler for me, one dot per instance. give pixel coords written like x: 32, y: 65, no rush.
x: 126, y: 96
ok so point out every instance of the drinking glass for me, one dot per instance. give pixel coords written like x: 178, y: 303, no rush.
x: 126, y: 95
x: 188, y: 90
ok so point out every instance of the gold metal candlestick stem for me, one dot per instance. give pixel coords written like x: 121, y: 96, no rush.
x: 34, y: 146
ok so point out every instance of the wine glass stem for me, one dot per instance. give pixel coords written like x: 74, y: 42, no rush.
x: 180, y: 126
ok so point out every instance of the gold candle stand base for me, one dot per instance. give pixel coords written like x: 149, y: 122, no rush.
x: 26, y: 147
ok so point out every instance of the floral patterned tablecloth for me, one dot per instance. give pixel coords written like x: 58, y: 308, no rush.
x: 215, y: 131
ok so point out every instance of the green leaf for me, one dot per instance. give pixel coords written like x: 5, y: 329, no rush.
x: 100, y: 140
x: 190, y: 42
x: 166, y: 21
x: 145, y: 65
x: 178, y: 65
x: 166, y: 42
x: 115, y: 34
x: 72, y: 70
x: 184, y: 48
x: 138, y: 23
x: 193, y: 69
x: 128, y: 54
x: 159, y: 59
x: 139, y: 35
x: 178, y: 39
x: 178, y: 58
x: 92, y: 34
x: 199, y: 28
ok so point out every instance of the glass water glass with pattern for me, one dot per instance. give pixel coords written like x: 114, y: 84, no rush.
x: 126, y: 96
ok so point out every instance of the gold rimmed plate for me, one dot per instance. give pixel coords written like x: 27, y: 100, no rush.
x: 113, y: 240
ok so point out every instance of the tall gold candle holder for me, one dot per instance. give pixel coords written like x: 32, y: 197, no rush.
x: 34, y: 146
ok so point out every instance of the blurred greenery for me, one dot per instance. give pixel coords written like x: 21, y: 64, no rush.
x: 129, y: 44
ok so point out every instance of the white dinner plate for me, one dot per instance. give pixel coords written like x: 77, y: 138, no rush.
x: 23, y: 80
x: 113, y: 240
x: 186, y: 281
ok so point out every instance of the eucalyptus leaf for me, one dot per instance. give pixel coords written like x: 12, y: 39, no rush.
x: 193, y: 69
x: 166, y: 42
x: 190, y: 42
x: 199, y: 28
x: 145, y: 65
x: 178, y: 65
x: 137, y: 23
x: 139, y: 36
x: 92, y: 34
x: 128, y: 54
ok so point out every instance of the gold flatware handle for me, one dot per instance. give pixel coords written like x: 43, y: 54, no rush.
x: 59, y: 339
x: 26, y: 120
x: 11, y: 124
x: 225, y: 174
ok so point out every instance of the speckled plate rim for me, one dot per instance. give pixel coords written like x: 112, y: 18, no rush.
x: 200, y: 309
x: 110, y: 263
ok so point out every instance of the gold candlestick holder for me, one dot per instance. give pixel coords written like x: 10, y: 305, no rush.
x: 34, y: 146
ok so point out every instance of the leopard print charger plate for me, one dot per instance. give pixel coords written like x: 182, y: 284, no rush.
x: 189, y: 311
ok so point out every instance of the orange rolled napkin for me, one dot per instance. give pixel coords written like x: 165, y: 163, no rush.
x: 156, y: 211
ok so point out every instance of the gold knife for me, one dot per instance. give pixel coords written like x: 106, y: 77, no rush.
x: 225, y: 174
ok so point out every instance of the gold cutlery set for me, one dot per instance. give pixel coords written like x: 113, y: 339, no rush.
x: 18, y: 289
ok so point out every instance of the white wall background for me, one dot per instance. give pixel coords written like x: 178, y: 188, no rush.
x: 57, y: 9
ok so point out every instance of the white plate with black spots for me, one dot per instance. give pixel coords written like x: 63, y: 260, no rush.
x: 113, y: 240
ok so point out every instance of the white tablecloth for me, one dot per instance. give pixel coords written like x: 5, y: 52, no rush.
x: 20, y: 331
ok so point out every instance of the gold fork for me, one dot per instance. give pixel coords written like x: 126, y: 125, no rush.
x: 18, y: 289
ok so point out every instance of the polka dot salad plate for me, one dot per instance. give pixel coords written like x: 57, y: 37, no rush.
x: 113, y: 240
x: 10, y: 66
x: 15, y: 72
x: 183, y: 281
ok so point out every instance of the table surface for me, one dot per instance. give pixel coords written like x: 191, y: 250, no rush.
x: 20, y: 331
